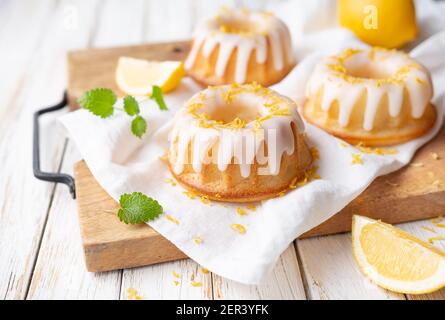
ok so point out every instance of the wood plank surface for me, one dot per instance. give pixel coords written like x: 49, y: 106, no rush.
x: 60, y: 270
x: 27, y: 86
x: 332, y: 274
x: 284, y: 283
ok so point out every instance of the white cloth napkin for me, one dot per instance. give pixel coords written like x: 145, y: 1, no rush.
x: 121, y: 163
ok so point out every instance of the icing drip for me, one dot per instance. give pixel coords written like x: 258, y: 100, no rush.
x: 391, y: 73
x: 208, y: 36
x: 239, y: 141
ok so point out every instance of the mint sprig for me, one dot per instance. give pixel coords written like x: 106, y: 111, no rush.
x: 101, y: 101
x: 156, y: 95
x: 138, y: 126
x: 131, y: 106
x: 138, y: 208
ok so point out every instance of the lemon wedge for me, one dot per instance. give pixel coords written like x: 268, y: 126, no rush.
x: 137, y: 76
x: 396, y: 260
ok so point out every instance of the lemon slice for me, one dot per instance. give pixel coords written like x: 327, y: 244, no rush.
x: 137, y: 77
x: 396, y: 260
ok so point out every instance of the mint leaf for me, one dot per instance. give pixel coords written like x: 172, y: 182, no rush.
x: 131, y: 106
x: 156, y: 95
x: 98, y: 101
x: 138, y: 126
x: 138, y: 208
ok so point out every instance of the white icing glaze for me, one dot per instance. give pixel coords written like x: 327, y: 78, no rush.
x: 334, y: 76
x: 194, y: 128
x: 208, y: 37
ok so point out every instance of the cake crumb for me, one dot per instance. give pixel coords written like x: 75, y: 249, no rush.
x: 435, y: 156
x: 315, y: 153
x: 416, y: 164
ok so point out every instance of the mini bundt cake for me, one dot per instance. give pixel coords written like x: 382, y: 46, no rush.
x: 374, y: 96
x: 240, y: 46
x: 238, y: 143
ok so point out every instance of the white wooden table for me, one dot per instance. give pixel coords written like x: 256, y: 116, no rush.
x: 40, y: 250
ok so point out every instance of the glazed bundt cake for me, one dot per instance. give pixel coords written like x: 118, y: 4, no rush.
x: 238, y: 143
x: 240, y: 46
x: 374, y: 96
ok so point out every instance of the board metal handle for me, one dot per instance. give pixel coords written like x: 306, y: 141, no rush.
x: 38, y: 173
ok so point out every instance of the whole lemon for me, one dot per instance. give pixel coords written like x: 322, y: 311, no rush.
x: 383, y: 23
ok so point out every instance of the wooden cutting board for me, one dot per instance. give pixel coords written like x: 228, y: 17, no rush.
x: 412, y: 193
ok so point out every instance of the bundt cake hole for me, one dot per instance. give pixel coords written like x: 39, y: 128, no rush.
x: 232, y: 24
x: 232, y: 111
x: 375, y: 71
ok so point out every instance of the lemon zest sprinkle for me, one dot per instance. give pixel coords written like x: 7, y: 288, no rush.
x: 436, y: 238
x: 281, y: 193
x: 204, y: 199
x: 196, y: 284
x: 133, y: 294
x: 164, y: 157
x: 172, y: 219
x: 357, y: 158
x: 176, y: 275
x: 192, y: 195
x: 171, y: 182
x: 420, y: 81
x: 251, y: 207
x: 176, y: 282
x: 197, y: 240
x: 428, y: 229
x: 239, y: 227
x: 241, y: 211
x: 204, y: 270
